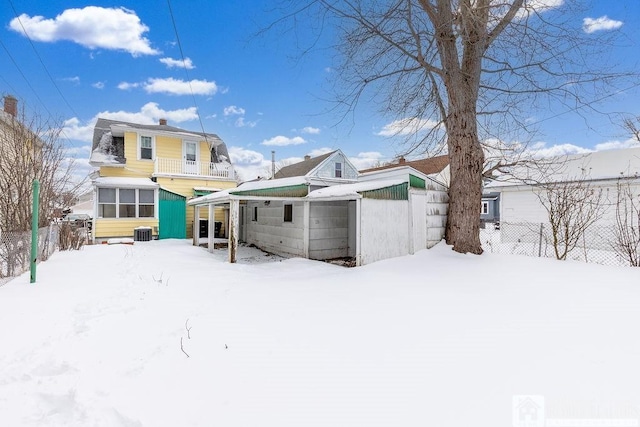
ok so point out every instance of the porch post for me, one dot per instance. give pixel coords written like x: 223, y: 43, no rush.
x: 212, y: 227
x: 196, y: 220
x: 234, y: 208
x: 305, y: 229
x: 358, y: 232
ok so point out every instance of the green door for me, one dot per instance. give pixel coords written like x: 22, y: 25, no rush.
x: 173, y: 215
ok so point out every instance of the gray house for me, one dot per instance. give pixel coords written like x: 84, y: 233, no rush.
x: 320, y: 209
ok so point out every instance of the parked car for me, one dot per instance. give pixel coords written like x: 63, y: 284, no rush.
x: 78, y: 220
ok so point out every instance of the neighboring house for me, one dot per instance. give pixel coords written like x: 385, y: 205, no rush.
x: 321, y: 209
x: 490, y: 207
x: 148, y: 172
x: 602, y: 170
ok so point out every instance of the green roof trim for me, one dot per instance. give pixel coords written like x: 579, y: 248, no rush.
x: 416, y: 182
x: 300, y: 190
x: 198, y: 193
x: 394, y: 192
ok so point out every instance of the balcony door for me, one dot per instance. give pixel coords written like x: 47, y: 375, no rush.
x: 190, y: 157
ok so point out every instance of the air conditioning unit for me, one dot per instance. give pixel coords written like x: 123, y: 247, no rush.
x: 142, y: 234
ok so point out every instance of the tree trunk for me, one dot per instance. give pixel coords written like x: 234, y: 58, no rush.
x: 466, y: 159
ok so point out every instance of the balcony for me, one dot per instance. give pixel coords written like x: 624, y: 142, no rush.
x: 189, y: 168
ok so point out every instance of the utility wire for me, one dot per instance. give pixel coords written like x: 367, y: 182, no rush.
x: 24, y: 30
x: 186, y: 71
x: 25, y: 77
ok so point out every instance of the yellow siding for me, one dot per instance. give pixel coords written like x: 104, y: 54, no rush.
x: 121, y: 172
x: 205, y: 152
x: 168, y: 148
x: 112, y: 227
x: 139, y: 167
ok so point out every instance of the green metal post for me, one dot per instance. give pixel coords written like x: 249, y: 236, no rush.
x: 34, y: 229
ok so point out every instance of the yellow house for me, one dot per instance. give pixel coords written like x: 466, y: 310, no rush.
x: 147, y: 173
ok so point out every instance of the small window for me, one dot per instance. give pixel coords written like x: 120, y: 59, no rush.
x: 146, y: 203
x: 146, y: 148
x: 484, y: 210
x: 107, y: 202
x: 338, y: 170
x: 255, y: 213
x: 288, y: 213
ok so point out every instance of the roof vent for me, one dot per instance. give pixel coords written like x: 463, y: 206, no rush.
x: 307, y: 157
x: 163, y: 122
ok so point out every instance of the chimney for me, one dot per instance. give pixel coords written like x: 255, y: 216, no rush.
x: 273, y: 164
x: 11, y: 105
x: 401, y: 160
x: 163, y: 122
x: 307, y: 157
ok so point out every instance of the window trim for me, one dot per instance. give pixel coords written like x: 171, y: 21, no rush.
x: 289, y: 217
x: 137, y: 203
x: 153, y: 147
x: 337, y: 171
x: 254, y: 215
x: 484, y: 204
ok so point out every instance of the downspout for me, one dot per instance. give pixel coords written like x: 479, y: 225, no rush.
x: 358, y: 233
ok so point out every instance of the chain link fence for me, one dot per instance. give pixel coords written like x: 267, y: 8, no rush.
x: 15, y: 250
x: 596, y: 245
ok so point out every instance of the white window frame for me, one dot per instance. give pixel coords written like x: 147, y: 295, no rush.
x: 137, y: 203
x: 338, y: 168
x: 153, y: 147
x: 484, y: 208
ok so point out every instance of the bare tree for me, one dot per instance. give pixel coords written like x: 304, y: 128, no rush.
x: 572, y: 207
x: 632, y: 124
x: 455, y: 73
x: 31, y: 148
x: 627, y: 224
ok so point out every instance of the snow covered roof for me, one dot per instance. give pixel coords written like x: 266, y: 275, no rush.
x: 599, y: 165
x: 121, y: 182
x: 352, y: 190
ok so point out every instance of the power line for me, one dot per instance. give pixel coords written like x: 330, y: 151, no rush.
x: 25, y: 78
x: 186, y: 71
x: 41, y: 61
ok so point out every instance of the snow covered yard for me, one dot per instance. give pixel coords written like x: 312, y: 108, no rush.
x: 433, y: 339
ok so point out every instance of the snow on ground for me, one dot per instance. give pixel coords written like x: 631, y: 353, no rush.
x: 433, y: 339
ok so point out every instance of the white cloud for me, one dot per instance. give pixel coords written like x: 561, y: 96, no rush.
x: 366, y: 160
x: 127, y: 86
x: 604, y: 23
x: 248, y: 163
x: 282, y: 141
x: 233, y: 110
x: 241, y: 123
x: 407, y: 126
x: 98, y: 85
x: 178, y: 63
x: 180, y: 87
x: 74, y: 79
x: 149, y: 114
x: 310, y: 130
x: 537, y: 6
x: 92, y: 27
x: 616, y: 145
x: 320, y: 151
x: 541, y: 150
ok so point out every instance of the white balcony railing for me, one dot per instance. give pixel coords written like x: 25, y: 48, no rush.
x: 164, y: 166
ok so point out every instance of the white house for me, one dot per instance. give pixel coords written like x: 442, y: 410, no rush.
x: 601, y: 170
x: 322, y: 209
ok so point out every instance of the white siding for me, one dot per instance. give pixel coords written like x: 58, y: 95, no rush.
x: 271, y: 233
x: 327, y: 170
x: 328, y: 230
x: 384, y: 229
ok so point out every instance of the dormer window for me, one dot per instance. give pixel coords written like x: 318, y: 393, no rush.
x: 146, y: 148
x: 338, y: 170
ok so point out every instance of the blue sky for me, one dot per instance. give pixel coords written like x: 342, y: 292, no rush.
x: 255, y: 91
